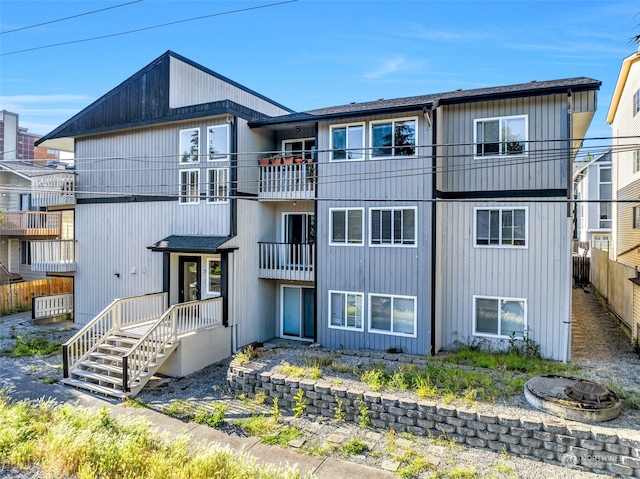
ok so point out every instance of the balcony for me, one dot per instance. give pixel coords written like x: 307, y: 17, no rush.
x: 287, y: 261
x: 294, y: 181
x: 55, y: 256
x: 30, y: 223
x: 54, y: 189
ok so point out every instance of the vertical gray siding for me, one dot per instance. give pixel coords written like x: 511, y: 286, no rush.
x: 191, y: 86
x: 538, y: 273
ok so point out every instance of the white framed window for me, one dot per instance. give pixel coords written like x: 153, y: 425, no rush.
x: 636, y: 102
x: 190, y: 145
x: 605, y: 187
x: 501, y: 136
x: 347, y: 142
x: 346, y: 310
x: 636, y: 217
x: 347, y: 226
x: 214, y: 275
x: 501, y: 227
x: 393, y: 138
x: 391, y: 314
x: 499, y: 317
x: 300, y: 148
x: 217, y: 185
x: 218, y: 143
x: 392, y: 226
x: 636, y: 161
x: 189, y: 187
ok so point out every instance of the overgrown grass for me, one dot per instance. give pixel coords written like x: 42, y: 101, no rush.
x: 282, y: 437
x: 67, y: 441
x: 257, y: 425
x: 311, y: 371
x: 29, y: 345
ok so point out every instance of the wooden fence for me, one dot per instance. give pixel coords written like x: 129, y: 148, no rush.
x: 581, y: 270
x: 19, y: 295
x: 611, y: 279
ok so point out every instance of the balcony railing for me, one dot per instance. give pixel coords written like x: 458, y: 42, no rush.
x: 292, y: 181
x: 54, y: 189
x: 287, y: 261
x: 30, y: 223
x: 56, y: 256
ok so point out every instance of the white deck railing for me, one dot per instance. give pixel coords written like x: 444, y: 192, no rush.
x: 294, y: 181
x: 287, y: 261
x: 51, y: 305
x: 54, y: 189
x: 26, y: 223
x: 179, y: 319
x: 53, y: 255
x: 121, y: 312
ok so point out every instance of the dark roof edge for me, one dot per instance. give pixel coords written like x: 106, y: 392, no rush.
x: 441, y: 99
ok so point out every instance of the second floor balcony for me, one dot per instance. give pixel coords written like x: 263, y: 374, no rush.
x: 54, y: 189
x: 294, y: 181
x: 31, y: 223
x: 55, y: 256
x: 288, y: 261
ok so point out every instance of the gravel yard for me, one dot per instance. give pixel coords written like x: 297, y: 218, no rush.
x: 610, y: 361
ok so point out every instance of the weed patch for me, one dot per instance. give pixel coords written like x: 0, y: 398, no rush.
x: 29, y: 345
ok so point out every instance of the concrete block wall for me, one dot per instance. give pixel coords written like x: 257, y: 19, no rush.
x: 593, y: 449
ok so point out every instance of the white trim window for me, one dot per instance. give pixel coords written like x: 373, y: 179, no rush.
x: 347, y: 226
x: 394, y: 315
x: 214, y: 275
x: 218, y: 143
x: 189, y: 187
x: 347, y: 142
x: 393, y: 138
x: 190, y: 145
x: 304, y: 148
x: 501, y: 136
x: 218, y: 185
x: 501, y: 227
x: 636, y: 102
x: 635, y: 212
x: 346, y: 310
x: 636, y: 161
x: 392, y: 226
x: 499, y: 317
x: 604, y: 191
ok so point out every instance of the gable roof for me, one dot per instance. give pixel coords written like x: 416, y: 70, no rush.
x: 583, y: 165
x: 27, y: 170
x: 620, y: 84
x: 430, y: 101
x: 143, y: 99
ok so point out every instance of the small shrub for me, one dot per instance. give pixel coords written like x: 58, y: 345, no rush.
x: 260, y: 397
x: 34, y: 346
x: 524, y: 346
x: 300, y: 404
x: 246, y: 356
x: 276, y: 414
x: 256, y: 425
x: 364, y: 420
x: 180, y: 409
x: 376, y: 378
x: 338, y: 410
x: 282, y: 437
x: 354, y: 447
x: 214, y: 418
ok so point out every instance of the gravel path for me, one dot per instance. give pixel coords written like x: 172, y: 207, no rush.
x: 599, y: 348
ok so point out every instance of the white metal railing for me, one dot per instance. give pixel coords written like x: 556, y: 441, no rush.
x: 121, y: 312
x: 295, y: 180
x: 53, y: 189
x: 51, y: 305
x: 179, y: 319
x: 31, y: 223
x: 53, y: 255
x: 287, y: 261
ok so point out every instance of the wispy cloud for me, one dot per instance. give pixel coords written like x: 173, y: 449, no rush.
x: 42, y: 113
x: 393, y: 65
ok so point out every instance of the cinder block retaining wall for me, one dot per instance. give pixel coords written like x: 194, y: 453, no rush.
x: 594, y: 449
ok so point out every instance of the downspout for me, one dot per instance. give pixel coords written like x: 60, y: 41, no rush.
x: 567, y: 321
x: 434, y: 166
x: 315, y: 248
x: 231, y: 301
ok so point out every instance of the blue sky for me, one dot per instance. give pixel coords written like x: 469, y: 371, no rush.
x: 308, y: 54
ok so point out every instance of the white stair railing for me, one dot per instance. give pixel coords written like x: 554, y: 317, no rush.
x: 121, y: 312
x: 179, y: 319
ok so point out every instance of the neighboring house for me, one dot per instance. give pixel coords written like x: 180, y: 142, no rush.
x: 624, y: 118
x: 593, y: 185
x: 404, y: 224
x: 37, y: 228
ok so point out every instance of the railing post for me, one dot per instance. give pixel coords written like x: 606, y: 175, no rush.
x: 65, y: 361
x: 125, y: 374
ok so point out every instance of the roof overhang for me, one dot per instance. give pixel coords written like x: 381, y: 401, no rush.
x: 620, y: 84
x: 192, y: 244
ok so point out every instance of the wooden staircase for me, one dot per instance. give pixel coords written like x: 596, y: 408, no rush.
x: 124, y: 346
x: 102, y: 371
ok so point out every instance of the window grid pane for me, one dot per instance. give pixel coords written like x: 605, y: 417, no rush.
x: 338, y: 219
x: 189, y: 146
x: 382, y: 136
x: 354, y: 226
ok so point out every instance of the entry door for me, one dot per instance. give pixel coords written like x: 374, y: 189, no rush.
x: 298, y: 312
x: 299, y: 230
x: 189, y: 279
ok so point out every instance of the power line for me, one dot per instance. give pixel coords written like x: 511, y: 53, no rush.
x: 69, y: 18
x: 148, y: 28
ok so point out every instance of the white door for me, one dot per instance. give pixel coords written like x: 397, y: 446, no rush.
x: 297, y: 319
